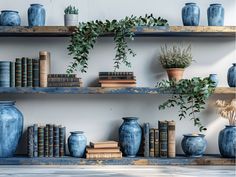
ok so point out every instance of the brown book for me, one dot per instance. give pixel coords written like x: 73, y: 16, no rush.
x: 151, y: 143
x: 104, y: 150
x: 171, y: 138
x: 103, y: 155
x: 156, y: 143
x: 44, y: 62
x: 131, y: 81
x: 104, y: 144
x: 113, y: 85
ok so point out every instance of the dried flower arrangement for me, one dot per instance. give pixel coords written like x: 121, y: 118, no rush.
x: 227, y: 110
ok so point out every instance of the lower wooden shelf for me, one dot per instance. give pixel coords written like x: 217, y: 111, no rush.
x: 179, y: 160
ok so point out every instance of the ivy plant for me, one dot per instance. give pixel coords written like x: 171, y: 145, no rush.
x: 85, y: 36
x: 189, y: 95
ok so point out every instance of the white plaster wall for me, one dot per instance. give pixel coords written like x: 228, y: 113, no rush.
x: 100, y: 115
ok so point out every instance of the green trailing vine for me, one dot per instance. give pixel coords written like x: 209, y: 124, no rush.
x: 85, y: 35
x: 189, y: 95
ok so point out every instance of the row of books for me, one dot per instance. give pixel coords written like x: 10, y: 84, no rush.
x: 159, y: 142
x: 103, y: 150
x: 63, y: 80
x: 46, y: 141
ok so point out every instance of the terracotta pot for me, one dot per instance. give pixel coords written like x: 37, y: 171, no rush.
x: 175, y: 73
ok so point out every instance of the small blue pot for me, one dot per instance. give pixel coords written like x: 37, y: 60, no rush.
x: 215, y: 15
x: 191, y: 14
x: 10, y: 18
x: 130, y: 136
x: 194, y: 145
x: 227, y: 141
x: 214, y: 78
x: 36, y: 15
x: 231, y: 76
x: 77, y: 144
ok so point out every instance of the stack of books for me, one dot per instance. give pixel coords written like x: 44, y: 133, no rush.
x: 46, y: 141
x: 117, y: 79
x: 103, y: 150
x: 64, y: 80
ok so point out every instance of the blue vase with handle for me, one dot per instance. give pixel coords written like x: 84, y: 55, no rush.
x: 10, y: 18
x: 231, y: 76
x: 214, y: 78
x: 36, y: 15
x: 77, y: 144
x: 130, y: 136
x: 215, y: 15
x: 11, y: 127
x: 191, y: 14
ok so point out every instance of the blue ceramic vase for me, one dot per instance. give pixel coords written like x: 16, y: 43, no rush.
x: 214, y: 78
x: 231, y: 77
x: 130, y: 135
x: 10, y: 18
x: 36, y: 15
x: 11, y: 127
x: 215, y: 15
x: 194, y: 145
x: 227, y: 141
x: 191, y: 14
x: 77, y: 144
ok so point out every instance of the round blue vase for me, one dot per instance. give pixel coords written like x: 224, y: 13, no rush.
x: 10, y: 18
x: 227, y: 141
x: 77, y: 144
x: 11, y: 127
x: 191, y: 14
x: 231, y: 76
x: 215, y: 15
x: 194, y: 145
x: 130, y: 136
x: 214, y: 78
x: 36, y: 15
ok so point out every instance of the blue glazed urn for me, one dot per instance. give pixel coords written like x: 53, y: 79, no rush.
x: 191, y: 14
x: 231, y: 76
x: 214, y: 78
x: 10, y: 18
x: 215, y: 15
x: 130, y: 136
x: 77, y: 144
x: 36, y: 15
x: 194, y: 145
x: 11, y: 127
x: 227, y: 141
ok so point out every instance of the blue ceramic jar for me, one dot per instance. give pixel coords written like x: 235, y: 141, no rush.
x: 194, y: 145
x: 215, y: 15
x: 10, y: 18
x: 227, y: 141
x: 231, y: 76
x: 77, y: 144
x: 191, y: 14
x: 11, y: 127
x: 214, y: 78
x: 130, y: 136
x: 36, y: 15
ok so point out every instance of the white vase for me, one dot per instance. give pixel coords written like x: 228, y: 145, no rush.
x: 71, y: 19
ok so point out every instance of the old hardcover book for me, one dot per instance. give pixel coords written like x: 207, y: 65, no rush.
x: 30, y: 137
x: 156, y: 143
x: 171, y: 138
x: 61, y: 75
x: 41, y: 141
x: 18, y: 74
x: 12, y: 74
x: 29, y: 72
x: 64, y: 84
x: 112, y: 85
x: 56, y: 141
x: 44, y: 65
x: 50, y: 140
x: 116, y: 81
x: 163, y: 138
x: 24, y: 71
x: 35, y: 128
x: 35, y: 73
x: 104, y: 144
x: 146, y: 129
x: 116, y: 73
x: 46, y: 141
x: 63, y: 79
x: 62, y: 140
x: 103, y: 155
x: 151, y: 143
x: 5, y: 76
x: 102, y: 150
x: 117, y: 77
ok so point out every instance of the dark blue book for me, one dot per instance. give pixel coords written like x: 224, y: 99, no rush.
x: 29, y: 72
x: 5, y: 76
x: 12, y: 74
x: 24, y: 71
x: 50, y: 140
x: 163, y: 130
x: 35, y: 73
x: 62, y: 140
x: 46, y: 141
x: 18, y: 73
x: 56, y: 141
x: 146, y: 129
x: 35, y: 127
x: 30, y: 137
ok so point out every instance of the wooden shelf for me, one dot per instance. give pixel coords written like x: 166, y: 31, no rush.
x: 169, y: 31
x: 179, y: 160
x: 97, y: 90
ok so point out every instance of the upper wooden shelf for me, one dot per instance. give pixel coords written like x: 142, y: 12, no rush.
x: 170, y: 31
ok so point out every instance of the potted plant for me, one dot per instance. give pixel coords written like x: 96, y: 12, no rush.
x: 175, y: 59
x: 71, y: 17
x: 227, y: 136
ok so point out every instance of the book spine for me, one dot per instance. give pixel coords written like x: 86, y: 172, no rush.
x: 30, y: 138
x: 117, y: 77
x: 24, y: 72
x: 60, y: 80
x: 61, y: 75
x: 35, y: 73
x: 116, y: 73
x: 44, y: 63
x: 40, y: 141
x: 55, y: 141
x: 163, y: 138
x: 62, y: 134
x: 50, y: 138
x: 46, y: 142
x: 103, y: 155
x: 29, y: 72
x: 64, y: 84
x: 12, y: 74
x: 151, y: 142
x: 156, y: 143
x: 18, y: 74
x: 5, y: 74
x: 35, y: 128
x: 146, y: 129
x: 171, y: 139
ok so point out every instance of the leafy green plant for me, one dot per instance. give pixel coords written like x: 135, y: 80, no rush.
x: 71, y: 10
x: 176, y: 56
x: 85, y: 35
x: 189, y: 95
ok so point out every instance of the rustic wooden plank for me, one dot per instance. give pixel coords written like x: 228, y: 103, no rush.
x: 225, y: 90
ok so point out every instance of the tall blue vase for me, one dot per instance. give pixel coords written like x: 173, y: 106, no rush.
x: 10, y: 18
x: 77, y: 144
x: 227, y: 141
x: 36, y: 15
x: 130, y: 135
x: 231, y: 76
x: 215, y: 15
x: 11, y: 127
x: 191, y: 14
